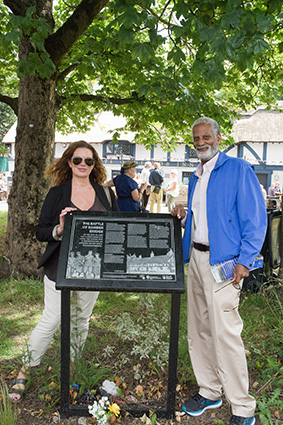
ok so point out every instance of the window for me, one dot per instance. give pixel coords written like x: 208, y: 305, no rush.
x: 186, y: 175
x: 122, y: 147
x: 190, y: 152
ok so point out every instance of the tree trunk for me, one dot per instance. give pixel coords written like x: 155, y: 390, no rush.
x: 34, y: 150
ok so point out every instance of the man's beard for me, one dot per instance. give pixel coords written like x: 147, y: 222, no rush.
x: 207, y: 154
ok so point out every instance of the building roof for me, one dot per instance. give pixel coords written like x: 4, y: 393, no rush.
x: 99, y: 132
x: 260, y: 125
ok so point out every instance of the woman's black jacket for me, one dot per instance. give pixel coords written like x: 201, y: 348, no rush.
x: 58, y: 198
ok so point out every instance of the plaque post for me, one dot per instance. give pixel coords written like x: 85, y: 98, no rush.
x: 173, y: 356
x: 65, y: 352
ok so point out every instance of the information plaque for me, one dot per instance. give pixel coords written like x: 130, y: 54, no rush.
x: 116, y: 251
x: 121, y: 252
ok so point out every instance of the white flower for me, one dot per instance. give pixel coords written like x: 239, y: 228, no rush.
x: 100, y: 411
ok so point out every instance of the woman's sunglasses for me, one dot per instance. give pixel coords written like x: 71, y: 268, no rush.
x: 77, y: 160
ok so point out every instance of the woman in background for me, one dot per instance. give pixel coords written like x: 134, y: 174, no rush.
x: 126, y: 187
x: 172, y: 190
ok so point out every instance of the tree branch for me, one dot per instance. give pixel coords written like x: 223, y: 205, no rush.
x: 10, y: 101
x: 159, y: 17
x: 18, y: 7
x: 60, y: 42
x: 66, y: 71
x: 114, y: 100
x: 43, y: 8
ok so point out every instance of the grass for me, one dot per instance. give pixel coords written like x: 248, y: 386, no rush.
x: 118, y: 347
x: 8, y: 411
x: 21, y: 306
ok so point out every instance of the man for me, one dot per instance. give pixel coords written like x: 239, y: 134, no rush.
x: 277, y: 188
x: 156, y: 180
x: 226, y: 211
x: 145, y: 186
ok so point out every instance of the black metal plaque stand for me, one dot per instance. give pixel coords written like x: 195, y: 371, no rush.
x: 74, y: 410
x: 150, y: 247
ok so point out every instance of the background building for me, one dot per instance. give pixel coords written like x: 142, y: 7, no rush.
x: 258, y: 139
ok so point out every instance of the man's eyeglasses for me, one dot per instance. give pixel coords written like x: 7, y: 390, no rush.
x: 77, y: 160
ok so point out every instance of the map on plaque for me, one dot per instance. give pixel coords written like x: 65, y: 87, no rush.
x: 122, y: 252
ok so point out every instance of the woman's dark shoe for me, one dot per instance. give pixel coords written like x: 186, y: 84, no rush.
x: 16, y: 389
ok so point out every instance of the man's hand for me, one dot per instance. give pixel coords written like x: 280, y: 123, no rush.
x: 179, y: 212
x: 240, y: 272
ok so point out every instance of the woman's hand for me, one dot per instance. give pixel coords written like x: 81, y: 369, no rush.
x: 60, y: 228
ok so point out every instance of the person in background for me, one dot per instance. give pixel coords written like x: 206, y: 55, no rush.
x: 225, y: 222
x: 126, y: 187
x: 263, y: 192
x: 137, y: 179
x: 172, y: 190
x: 277, y: 188
x: 155, y: 180
x: 271, y: 190
x: 3, y: 188
x: 145, y: 186
x: 77, y: 179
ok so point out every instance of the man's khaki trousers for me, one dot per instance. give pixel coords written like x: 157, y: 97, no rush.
x: 155, y: 197
x: 214, y: 337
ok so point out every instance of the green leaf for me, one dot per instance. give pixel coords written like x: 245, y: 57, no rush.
x: 34, y: 59
x: 37, y: 44
x: 274, y: 6
x: 153, y: 419
x: 153, y: 37
x: 47, y: 68
x: 144, y: 90
x: 13, y: 36
x: 259, y: 46
x: 177, y: 55
x: 144, y: 51
x: 126, y: 35
x: 120, y: 392
x: 43, y: 28
x: 217, y: 45
x: 265, y: 23
x: 25, y: 69
x: 236, y: 41
x: 207, y: 34
x: 130, y: 17
x: 232, y: 19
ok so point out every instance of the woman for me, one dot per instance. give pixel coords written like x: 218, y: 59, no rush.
x: 126, y: 187
x: 77, y: 180
x: 172, y: 190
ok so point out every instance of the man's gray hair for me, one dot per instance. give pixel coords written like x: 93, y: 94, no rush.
x: 147, y: 164
x: 206, y: 120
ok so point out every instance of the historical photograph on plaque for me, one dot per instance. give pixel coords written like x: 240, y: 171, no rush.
x: 111, y: 250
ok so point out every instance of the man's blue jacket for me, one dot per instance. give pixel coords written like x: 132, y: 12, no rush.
x: 236, y: 212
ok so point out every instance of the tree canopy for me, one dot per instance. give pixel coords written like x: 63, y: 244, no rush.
x: 160, y: 63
